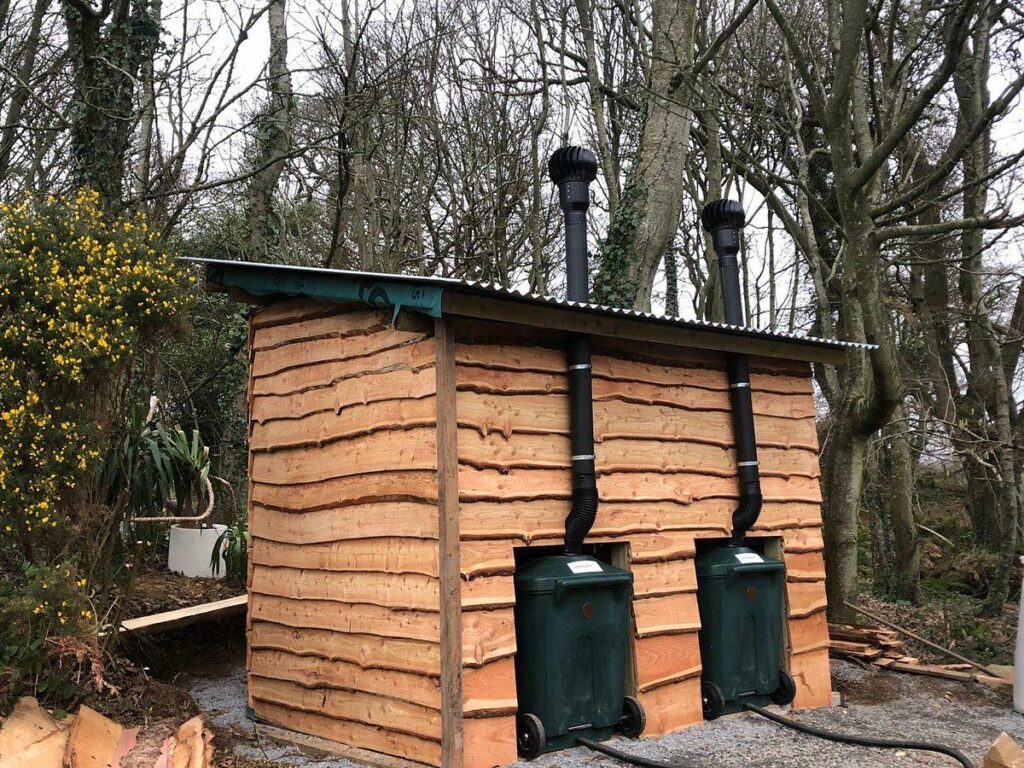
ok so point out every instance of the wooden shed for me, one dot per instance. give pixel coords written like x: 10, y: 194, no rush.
x: 408, y: 441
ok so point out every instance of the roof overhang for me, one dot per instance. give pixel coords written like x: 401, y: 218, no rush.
x: 437, y: 297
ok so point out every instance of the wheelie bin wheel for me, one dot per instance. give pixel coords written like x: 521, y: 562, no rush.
x: 786, y: 691
x: 530, y: 736
x: 633, y: 719
x: 713, y: 700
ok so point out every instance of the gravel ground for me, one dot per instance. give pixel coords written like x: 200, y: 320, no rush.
x: 886, y: 704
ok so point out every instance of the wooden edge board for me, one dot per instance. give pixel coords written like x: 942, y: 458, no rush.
x: 575, y: 321
x: 355, y: 754
x: 183, y: 617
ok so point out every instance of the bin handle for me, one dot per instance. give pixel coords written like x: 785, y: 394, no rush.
x: 567, y: 583
x: 757, y: 568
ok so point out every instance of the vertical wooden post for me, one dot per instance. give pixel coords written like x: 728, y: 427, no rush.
x: 250, y: 566
x: 622, y: 557
x: 448, y: 556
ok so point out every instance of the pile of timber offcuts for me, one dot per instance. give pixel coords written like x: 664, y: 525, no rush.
x: 867, y: 643
x: 882, y: 647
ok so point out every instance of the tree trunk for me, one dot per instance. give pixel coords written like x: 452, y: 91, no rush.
x: 648, y: 213
x: 12, y: 119
x: 842, y: 465
x: 273, y: 139
x: 148, y: 108
x: 906, y: 572
x: 997, y: 512
x: 107, y: 52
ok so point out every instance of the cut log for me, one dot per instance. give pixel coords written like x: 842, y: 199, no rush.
x: 1004, y: 753
x: 31, y: 738
x: 96, y: 741
x: 191, y: 746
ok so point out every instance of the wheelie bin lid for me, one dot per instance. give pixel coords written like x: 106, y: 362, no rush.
x: 556, y: 572
x: 728, y: 560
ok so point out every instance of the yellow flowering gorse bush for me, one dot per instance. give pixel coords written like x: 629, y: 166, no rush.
x: 77, y: 291
x: 82, y: 296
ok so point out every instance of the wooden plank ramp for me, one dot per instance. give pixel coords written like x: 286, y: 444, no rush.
x: 183, y: 617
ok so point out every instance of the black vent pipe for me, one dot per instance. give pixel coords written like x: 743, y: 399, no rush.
x: 572, y: 169
x: 723, y: 219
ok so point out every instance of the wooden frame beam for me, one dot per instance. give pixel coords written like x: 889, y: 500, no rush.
x: 576, y: 321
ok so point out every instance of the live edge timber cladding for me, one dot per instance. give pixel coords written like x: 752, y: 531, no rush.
x: 354, y: 526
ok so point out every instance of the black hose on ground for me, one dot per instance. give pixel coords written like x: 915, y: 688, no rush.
x: 625, y: 757
x: 861, y: 741
x: 809, y: 730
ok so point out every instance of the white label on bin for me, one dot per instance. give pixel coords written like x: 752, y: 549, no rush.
x: 585, y: 566
x: 749, y: 557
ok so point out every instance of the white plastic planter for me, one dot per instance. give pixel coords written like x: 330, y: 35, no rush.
x: 189, y: 551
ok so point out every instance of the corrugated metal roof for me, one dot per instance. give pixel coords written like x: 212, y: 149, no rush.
x: 293, y: 281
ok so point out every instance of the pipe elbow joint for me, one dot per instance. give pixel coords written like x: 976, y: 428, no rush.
x: 747, y: 512
x: 581, y: 518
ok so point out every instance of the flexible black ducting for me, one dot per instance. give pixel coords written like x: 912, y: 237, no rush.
x: 810, y: 730
x: 572, y: 169
x: 723, y: 219
x: 625, y: 757
x: 862, y: 741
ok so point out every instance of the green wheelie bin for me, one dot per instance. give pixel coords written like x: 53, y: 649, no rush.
x: 572, y: 620
x: 740, y: 598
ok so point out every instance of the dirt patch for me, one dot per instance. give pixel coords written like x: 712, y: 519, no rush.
x: 858, y: 685
x: 157, y: 590
x: 201, y: 650
x: 952, y: 621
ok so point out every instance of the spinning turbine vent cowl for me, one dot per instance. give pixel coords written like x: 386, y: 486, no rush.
x: 572, y: 164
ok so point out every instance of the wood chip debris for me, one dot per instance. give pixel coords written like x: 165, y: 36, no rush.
x: 30, y: 737
x: 882, y: 647
x: 1004, y: 753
